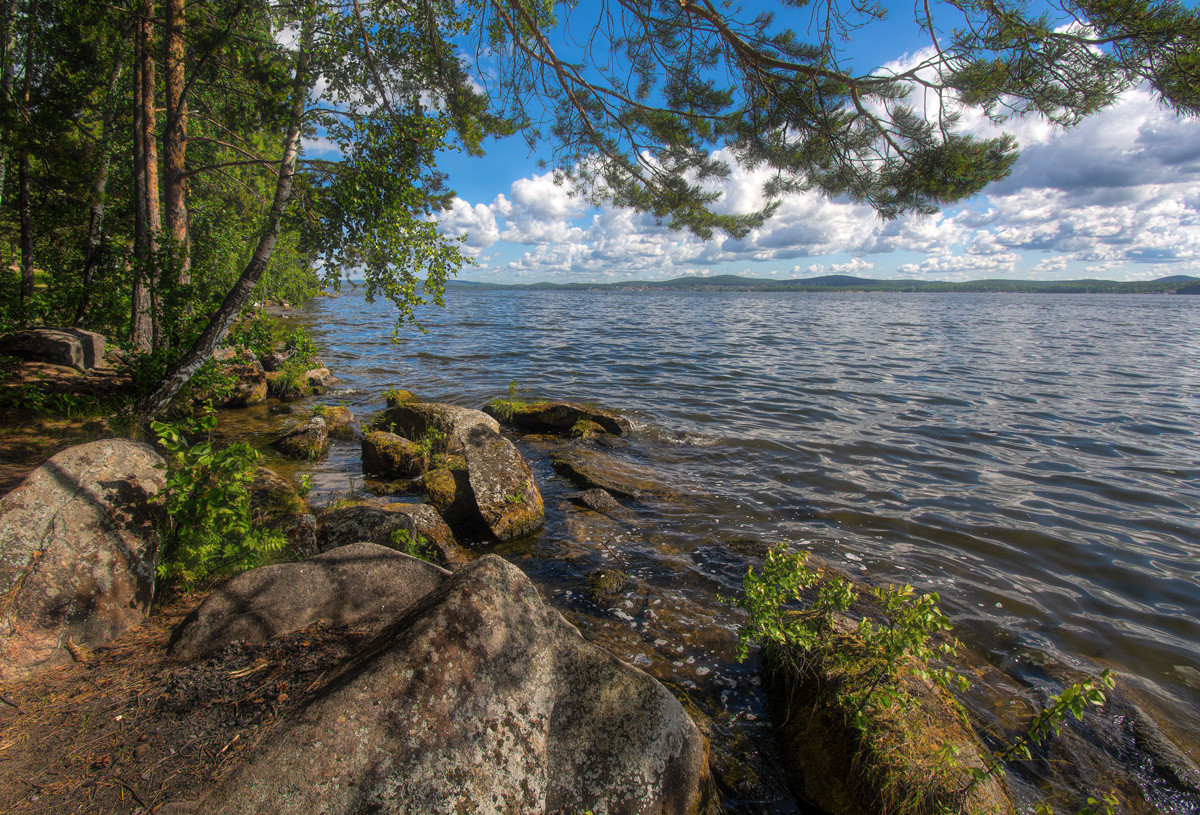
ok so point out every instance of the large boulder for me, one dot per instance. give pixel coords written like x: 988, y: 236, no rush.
x: 502, y: 485
x: 79, y: 546
x: 480, y: 700
x: 591, y: 469
x: 308, y: 441
x: 446, y: 426
x: 392, y: 456
x: 351, y: 585
x: 72, y: 347
x: 275, y: 503
x: 379, y: 522
x: 556, y: 417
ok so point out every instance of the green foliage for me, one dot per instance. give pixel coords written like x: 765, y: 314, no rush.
x: 207, y: 497
x: 299, y: 343
x: 292, y: 378
x: 257, y: 334
x: 431, y: 441
x: 416, y: 545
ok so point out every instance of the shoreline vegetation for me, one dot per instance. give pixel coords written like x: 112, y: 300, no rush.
x: 1175, y: 284
x: 872, y: 665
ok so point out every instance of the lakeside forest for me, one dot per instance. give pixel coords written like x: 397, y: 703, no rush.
x: 179, y: 624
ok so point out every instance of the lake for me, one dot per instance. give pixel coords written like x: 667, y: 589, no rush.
x: 1034, y: 459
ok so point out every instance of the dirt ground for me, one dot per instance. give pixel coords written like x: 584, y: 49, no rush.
x: 126, y: 729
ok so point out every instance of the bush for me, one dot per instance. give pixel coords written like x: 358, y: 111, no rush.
x: 207, y: 497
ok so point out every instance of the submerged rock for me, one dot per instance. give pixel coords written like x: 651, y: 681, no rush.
x: 563, y: 418
x: 308, y: 442
x: 480, y: 700
x: 589, y: 469
x: 79, y: 545
x: 350, y: 585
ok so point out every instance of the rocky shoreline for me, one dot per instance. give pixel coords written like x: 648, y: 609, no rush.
x: 462, y: 690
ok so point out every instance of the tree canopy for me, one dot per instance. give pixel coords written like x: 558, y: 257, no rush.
x: 164, y: 165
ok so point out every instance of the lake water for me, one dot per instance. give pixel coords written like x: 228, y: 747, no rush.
x: 1035, y: 459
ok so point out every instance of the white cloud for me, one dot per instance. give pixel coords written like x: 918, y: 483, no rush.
x: 1118, y: 195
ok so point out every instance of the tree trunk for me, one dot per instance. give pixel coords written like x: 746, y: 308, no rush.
x: 175, y: 141
x: 141, y: 334
x: 91, y: 254
x: 26, y: 236
x: 235, y: 300
x: 23, y: 204
x: 7, y: 73
x: 147, y: 329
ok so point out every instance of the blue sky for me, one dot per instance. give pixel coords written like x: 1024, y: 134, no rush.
x: 1117, y: 197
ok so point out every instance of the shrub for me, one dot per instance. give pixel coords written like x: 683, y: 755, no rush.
x: 207, y: 497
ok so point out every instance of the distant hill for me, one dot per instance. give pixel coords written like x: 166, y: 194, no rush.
x: 1181, y: 284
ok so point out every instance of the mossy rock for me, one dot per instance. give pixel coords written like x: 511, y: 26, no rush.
x: 449, y: 489
x: 400, y: 396
x: 445, y: 426
x: 555, y: 417
x: 586, y: 429
x: 895, y: 764
x: 391, y: 455
x: 287, y: 389
x: 309, y: 441
x: 340, y: 421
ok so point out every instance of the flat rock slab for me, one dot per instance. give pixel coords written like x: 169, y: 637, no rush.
x: 79, y: 546
x: 590, y: 469
x: 481, y: 700
x: 346, y: 586
x: 72, y: 347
